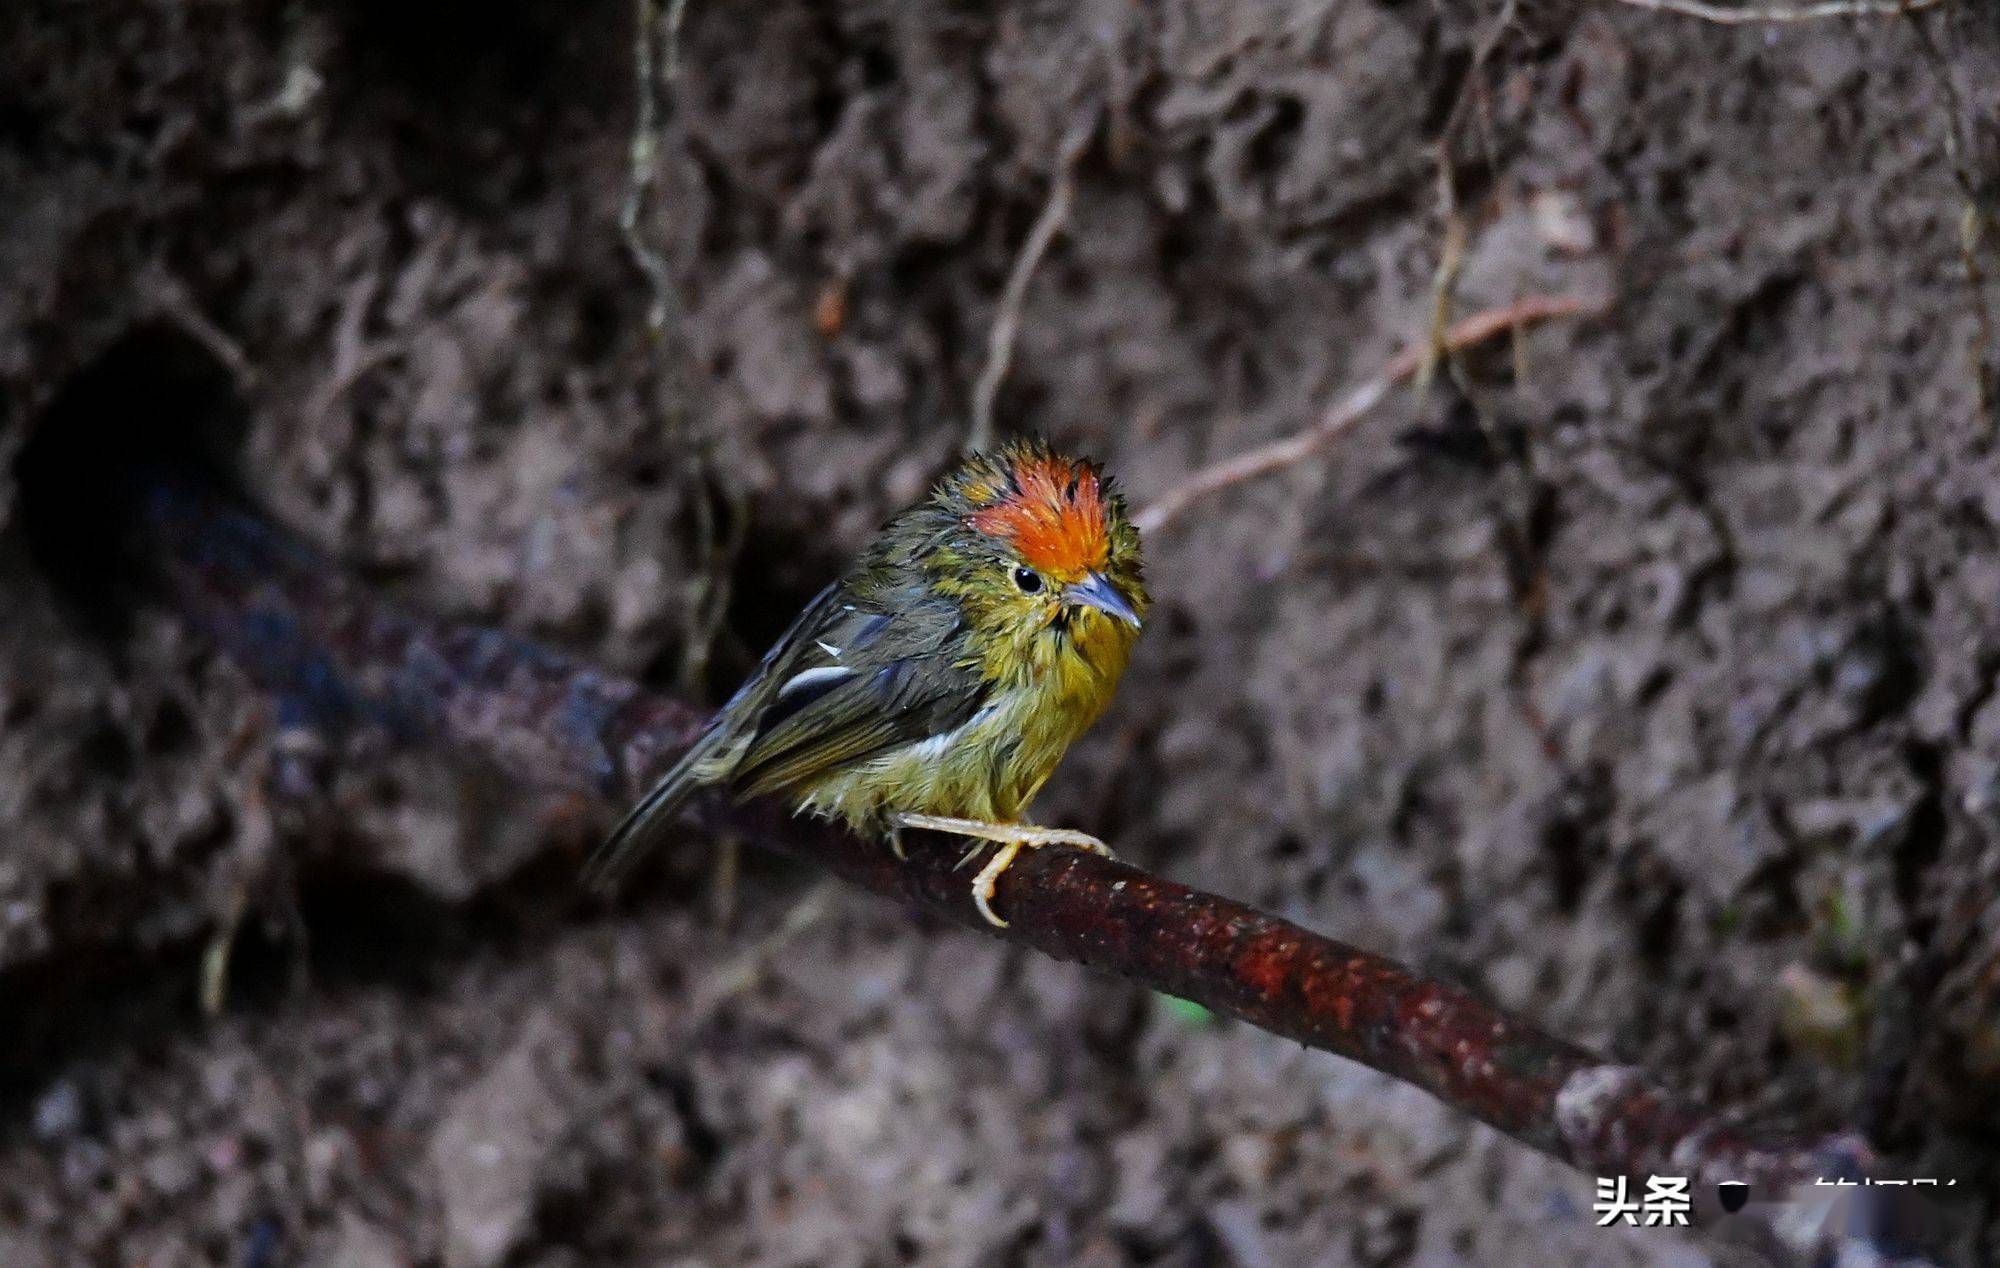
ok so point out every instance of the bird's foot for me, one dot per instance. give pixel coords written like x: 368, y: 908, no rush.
x: 1013, y: 838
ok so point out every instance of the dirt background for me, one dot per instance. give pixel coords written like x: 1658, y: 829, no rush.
x: 1639, y: 674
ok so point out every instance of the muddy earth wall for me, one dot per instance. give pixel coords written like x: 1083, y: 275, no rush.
x: 1638, y: 672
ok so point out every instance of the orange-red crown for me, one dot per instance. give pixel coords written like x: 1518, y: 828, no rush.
x: 1052, y: 512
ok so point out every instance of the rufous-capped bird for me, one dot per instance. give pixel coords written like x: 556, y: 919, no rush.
x: 938, y: 683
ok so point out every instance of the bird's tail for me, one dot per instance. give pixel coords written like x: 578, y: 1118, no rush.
x: 644, y: 825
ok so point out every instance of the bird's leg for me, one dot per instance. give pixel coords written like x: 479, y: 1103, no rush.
x: 1013, y: 838
x: 1027, y: 834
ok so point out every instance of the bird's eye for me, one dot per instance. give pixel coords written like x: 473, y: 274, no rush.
x: 1028, y: 579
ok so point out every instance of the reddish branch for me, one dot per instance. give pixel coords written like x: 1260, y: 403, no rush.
x: 330, y: 650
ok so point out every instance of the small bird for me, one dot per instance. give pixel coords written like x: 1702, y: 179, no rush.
x: 938, y: 683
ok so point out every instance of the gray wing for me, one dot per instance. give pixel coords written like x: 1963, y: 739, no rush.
x: 858, y: 682
x: 642, y: 826
x: 849, y: 679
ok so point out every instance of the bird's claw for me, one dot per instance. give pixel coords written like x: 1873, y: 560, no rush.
x: 1013, y: 838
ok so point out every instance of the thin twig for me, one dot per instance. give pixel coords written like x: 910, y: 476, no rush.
x: 1344, y: 413
x: 1975, y: 224
x: 298, y: 625
x: 318, y: 407
x: 741, y: 972
x: 717, y: 548
x: 1730, y: 15
x: 645, y: 148
x: 1007, y: 315
x: 1451, y: 250
x: 1444, y: 291
x: 170, y: 297
x: 354, y: 355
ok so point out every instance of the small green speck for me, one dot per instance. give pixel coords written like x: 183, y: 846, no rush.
x: 1187, y: 1012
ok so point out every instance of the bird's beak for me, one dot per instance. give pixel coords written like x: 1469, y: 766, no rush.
x: 1095, y: 592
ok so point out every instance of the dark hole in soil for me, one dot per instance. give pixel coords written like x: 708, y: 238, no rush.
x: 1924, y: 836
x: 1277, y: 141
x: 880, y: 67
x: 776, y: 575
x: 62, y: 1008
x: 157, y: 399
x: 1566, y: 843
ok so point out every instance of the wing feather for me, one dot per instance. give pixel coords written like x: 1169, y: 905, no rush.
x: 903, y: 687
x: 643, y: 825
x: 853, y: 676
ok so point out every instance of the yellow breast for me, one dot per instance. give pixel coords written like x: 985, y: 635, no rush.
x: 1044, y: 696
